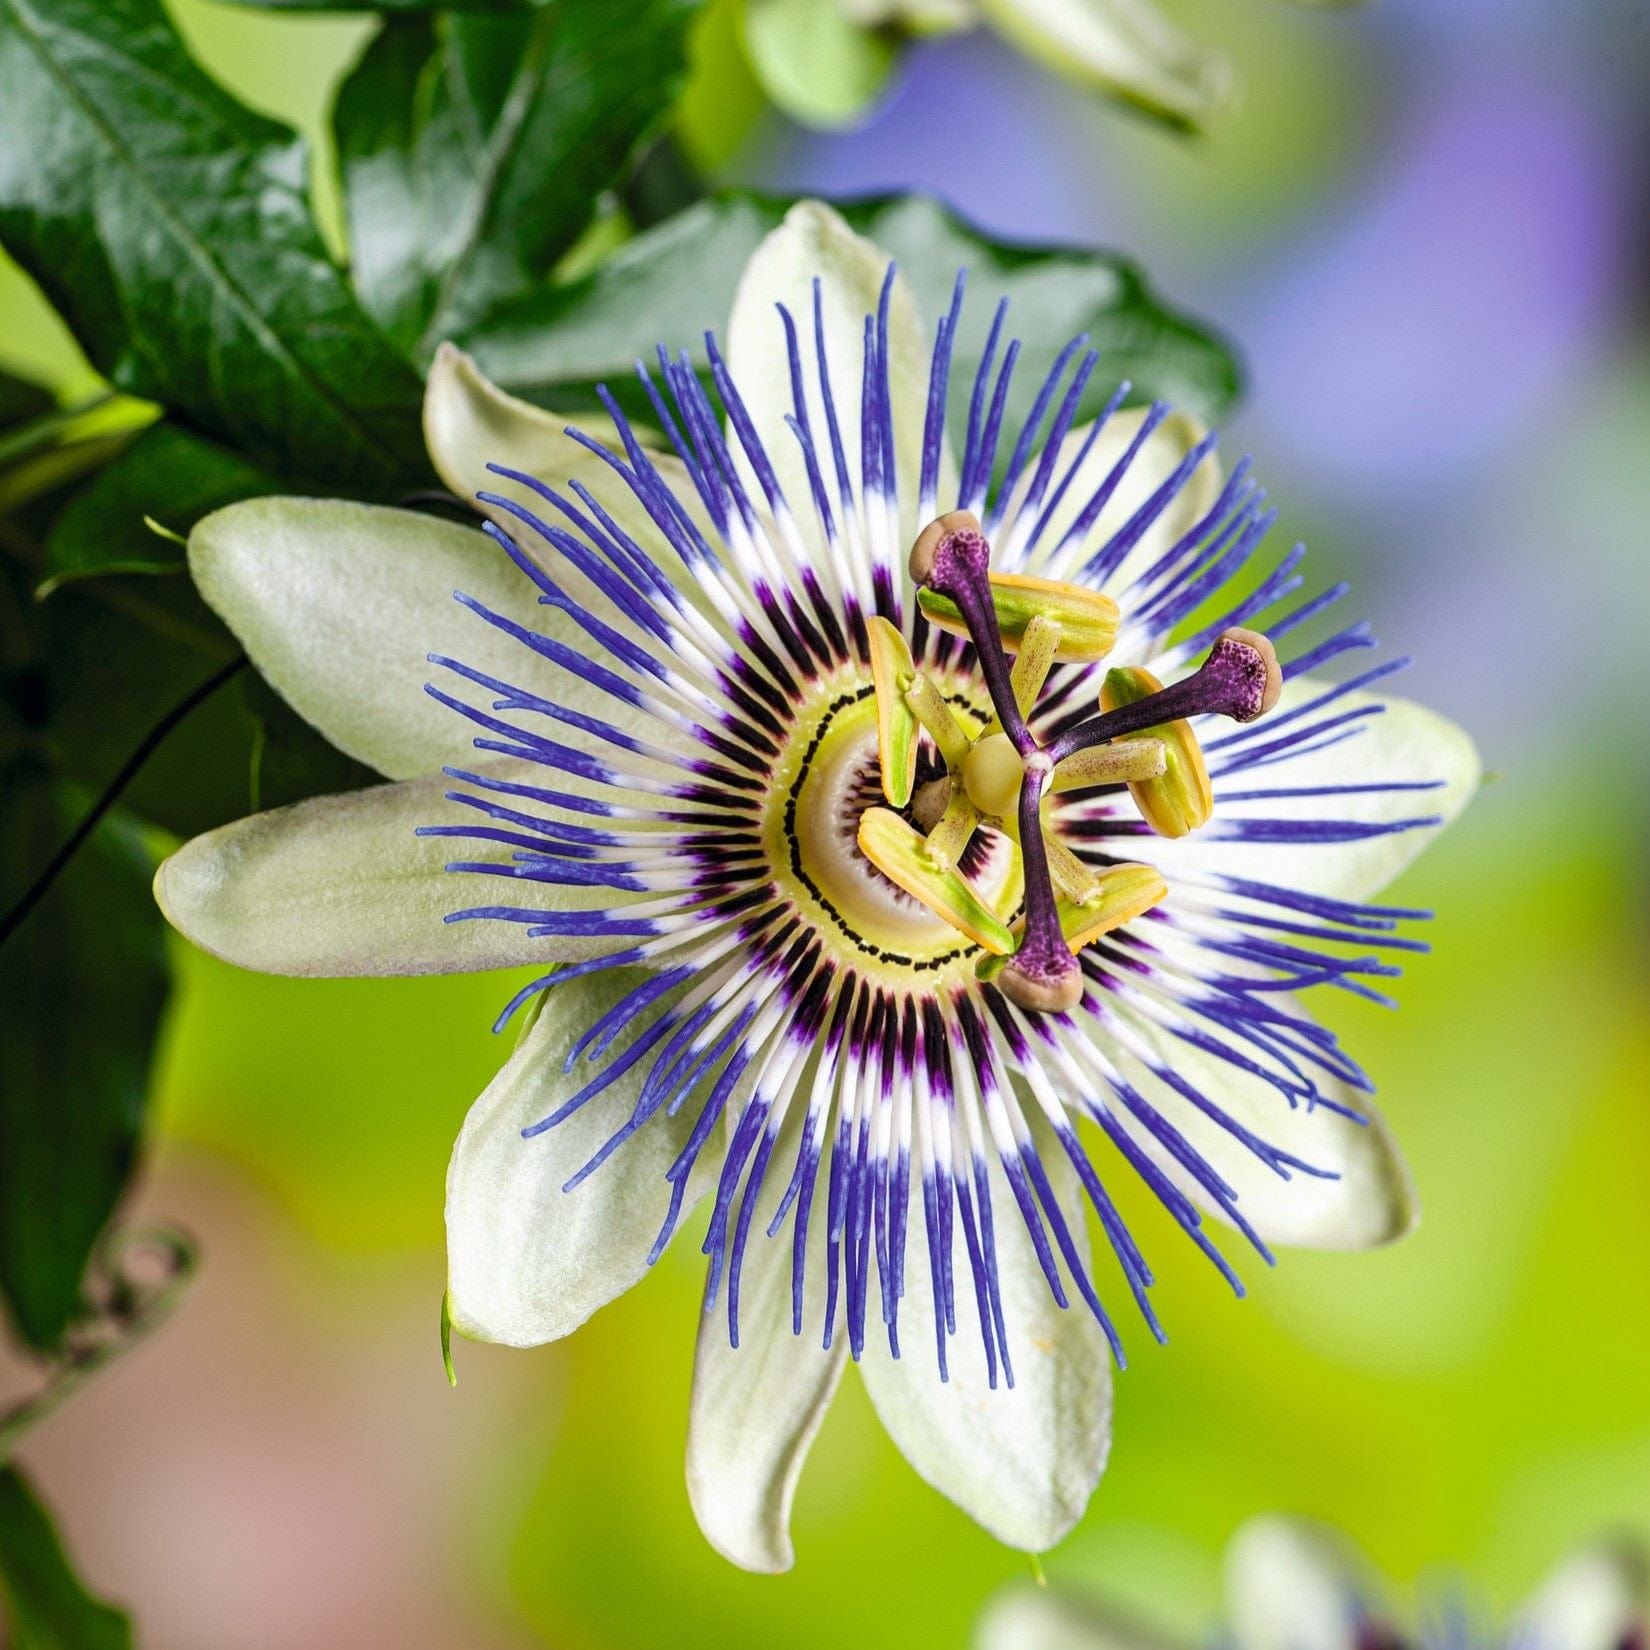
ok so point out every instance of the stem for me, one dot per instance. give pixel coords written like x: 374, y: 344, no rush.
x: 131, y: 1312
x: 150, y: 743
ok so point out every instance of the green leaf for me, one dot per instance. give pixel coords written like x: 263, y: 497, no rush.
x: 109, y: 680
x: 672, y: 283
x: 475, y: 149
x: 22, y: 400
x: 119, y: 654
x: 167, y: 477
x: 46, y: 1605
x: 168, y: 225
x: 393, y: 7
x: 86, y: 676
x: 83, y: 980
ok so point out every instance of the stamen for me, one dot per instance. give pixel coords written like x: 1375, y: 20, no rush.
x: 951, y: 833
x: 892, y: 673
x: 1122, y: 893
x: 901, y: 854
x: 1039, y: 647
x: 1239, y: 679
x: 927, y: 704
x: 1138, y: 757
x: 931, y: 800
x: 1088, y: 620
x: 1181, y: 799
x: 1073, y: 880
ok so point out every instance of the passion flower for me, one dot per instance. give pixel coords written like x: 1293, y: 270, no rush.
x: 914, y: 838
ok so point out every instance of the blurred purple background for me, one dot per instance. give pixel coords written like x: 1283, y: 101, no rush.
x: 1425, y: 229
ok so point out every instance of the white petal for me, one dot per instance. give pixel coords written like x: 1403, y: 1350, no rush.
x: 1159, y: 455
x: 756, y: 1407
x: 342, y: 885
x: 1290, y: 1583
x: 469, y: 423
x: 819, y: 65
x: 340, y: 604
x: 1127, y: 48
x: 528, y: 1262
x: 1371, y: 1200
x: 1593, y: 1601
x: 1404, y: 743
x: 814, y: 241
x: 1027, y: 1617
x: 1021, y: 1461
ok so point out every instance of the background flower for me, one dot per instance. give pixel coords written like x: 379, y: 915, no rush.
x: 826, y: 62
x: 1291, y: 1583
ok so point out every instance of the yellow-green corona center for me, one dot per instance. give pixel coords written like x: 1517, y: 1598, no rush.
x: 829, y: 774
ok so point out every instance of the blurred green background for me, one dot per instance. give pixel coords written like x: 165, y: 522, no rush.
x: 1424, y: 230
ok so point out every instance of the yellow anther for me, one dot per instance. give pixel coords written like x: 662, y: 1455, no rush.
x: 1088, y: 620
x: 991, y: 774
x: 1120, y: 894
x: 1181, y: 799
x: 1114, y: 764
x: 1124, y: 892
x: 892, y: 672
x: 902, y: 856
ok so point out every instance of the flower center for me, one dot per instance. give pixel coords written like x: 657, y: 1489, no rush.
x: 991, y: 775
x: 830, y: 774
x: 999, y: 775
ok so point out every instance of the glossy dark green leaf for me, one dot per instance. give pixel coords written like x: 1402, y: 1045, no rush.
x: 392, y: 8
x: 88, y: 674
x: 168, y: 477
x: 120, y: 654
x: 672, y: 283
x: 22, y: 400
x: 83, y: 980
x: 475, y: 148
x: 169, y: 226
x: 47, y: 1607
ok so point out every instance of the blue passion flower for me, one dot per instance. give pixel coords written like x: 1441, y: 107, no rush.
x: 919, y: 825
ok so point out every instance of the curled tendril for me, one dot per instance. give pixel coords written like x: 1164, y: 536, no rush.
x: 136, y: 1281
